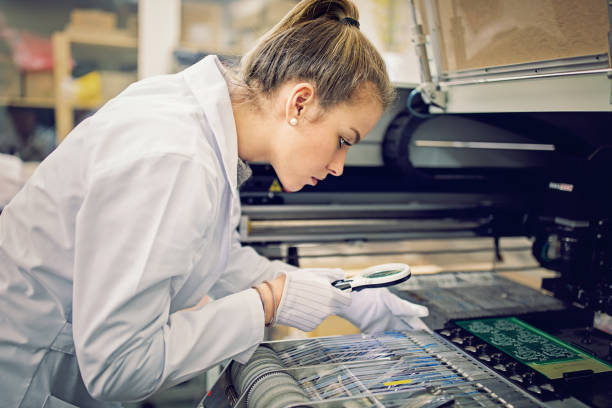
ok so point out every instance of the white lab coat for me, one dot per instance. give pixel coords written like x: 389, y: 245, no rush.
x: 129, y: 221
x: 11, y: 177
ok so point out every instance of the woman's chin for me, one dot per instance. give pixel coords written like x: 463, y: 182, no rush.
x: 293, y: 189
x: 290, y: 184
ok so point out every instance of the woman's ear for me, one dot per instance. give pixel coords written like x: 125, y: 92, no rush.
x: 301, y: 98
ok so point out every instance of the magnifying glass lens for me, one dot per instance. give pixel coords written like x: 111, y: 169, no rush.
x: 381, y: 274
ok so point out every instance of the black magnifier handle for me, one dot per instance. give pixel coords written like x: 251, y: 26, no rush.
x: 342, y: 284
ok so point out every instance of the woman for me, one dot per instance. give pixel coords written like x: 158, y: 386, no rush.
x: 109, y: 248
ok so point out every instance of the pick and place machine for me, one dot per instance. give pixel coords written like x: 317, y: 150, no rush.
x: 497, y: 150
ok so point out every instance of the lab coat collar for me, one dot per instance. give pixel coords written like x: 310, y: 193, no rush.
x: 207, y: 83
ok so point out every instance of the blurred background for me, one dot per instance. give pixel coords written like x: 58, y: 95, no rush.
x: 61, y: 60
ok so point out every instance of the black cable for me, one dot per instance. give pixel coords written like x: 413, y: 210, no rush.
x: 413, y: 112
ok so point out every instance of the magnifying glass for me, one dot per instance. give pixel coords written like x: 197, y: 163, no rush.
x: 375, y: 277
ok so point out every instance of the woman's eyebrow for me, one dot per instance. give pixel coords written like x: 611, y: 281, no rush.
x: 357, y: 136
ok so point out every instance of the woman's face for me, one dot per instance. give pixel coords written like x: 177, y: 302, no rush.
x: 317, y: 145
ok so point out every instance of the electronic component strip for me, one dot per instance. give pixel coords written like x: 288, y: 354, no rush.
x: 396, y: 369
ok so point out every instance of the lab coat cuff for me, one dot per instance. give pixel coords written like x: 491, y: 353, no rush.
x: 255, y: 309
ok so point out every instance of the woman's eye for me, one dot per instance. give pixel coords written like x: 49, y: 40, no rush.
x: 343, y: 142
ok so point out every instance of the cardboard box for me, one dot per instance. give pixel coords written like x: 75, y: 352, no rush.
x: 38, y: 84
x: 90, y: 19
x: 202, y: 25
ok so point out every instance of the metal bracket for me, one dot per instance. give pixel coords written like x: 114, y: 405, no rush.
x: 432, y: 94
x: 430, y: 91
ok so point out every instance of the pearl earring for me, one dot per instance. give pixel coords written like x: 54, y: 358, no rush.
x: 293, y: 121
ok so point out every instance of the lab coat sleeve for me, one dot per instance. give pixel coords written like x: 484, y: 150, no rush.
x: 246, y: 267
x: 140, y: 228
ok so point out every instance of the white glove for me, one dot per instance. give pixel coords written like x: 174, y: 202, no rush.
x: 378, y: 310
x: 308, y: 298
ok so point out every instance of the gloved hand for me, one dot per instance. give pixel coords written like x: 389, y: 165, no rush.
x: 308, y: 298
x: 378, y: 310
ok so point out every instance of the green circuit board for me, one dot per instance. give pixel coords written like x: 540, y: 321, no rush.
x: 533, y: 347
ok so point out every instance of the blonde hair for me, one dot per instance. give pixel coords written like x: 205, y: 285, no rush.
x: 313, y: 43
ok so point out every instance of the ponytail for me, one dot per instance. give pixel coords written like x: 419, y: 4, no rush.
x: 318, y: 41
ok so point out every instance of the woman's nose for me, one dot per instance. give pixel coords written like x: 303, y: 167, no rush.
x: 336, y: 166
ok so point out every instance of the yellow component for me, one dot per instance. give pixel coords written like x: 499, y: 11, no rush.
x: 88, y: 89
x: 275, y: 187
x: 399, y: 382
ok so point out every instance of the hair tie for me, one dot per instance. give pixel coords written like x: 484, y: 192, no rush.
x: 350, y: 21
